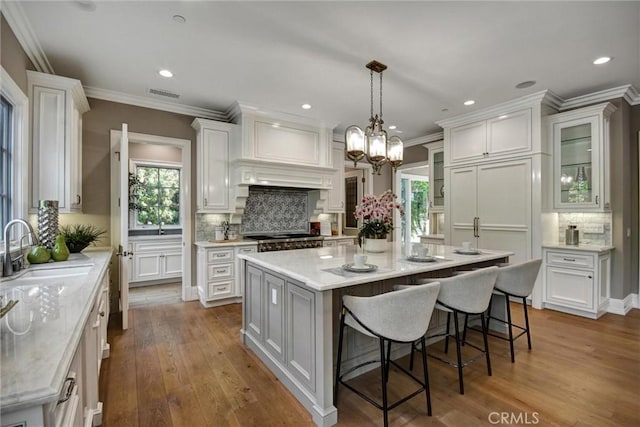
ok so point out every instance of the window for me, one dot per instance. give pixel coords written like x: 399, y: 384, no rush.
x: 6, y: 178
x: 158, y: 196
x: 13, y: 150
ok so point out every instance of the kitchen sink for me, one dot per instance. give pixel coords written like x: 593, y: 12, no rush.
x: 55, y: 272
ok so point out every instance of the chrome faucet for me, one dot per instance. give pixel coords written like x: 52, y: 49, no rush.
x: 9, y: 265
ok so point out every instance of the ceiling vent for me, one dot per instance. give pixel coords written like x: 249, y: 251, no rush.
x: 161, y: 92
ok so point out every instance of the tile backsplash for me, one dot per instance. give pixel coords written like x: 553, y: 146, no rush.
x: 595, y: 228
x: 274, y: 210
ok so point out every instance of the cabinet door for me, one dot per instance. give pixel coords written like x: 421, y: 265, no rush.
x: 436, y: 190
x: 172, y: 264
x: 214, y: 169
x: 336, y: 194
x: 462, y: 204
x: 468, y: 142
x: 253, y: 302
x: 509, y: 133
x: 569, y: 287
x: 576, y: 164
x: 504, y: 207
x: 147, y: 266
x: 274, y: 316
x: 301, y: 337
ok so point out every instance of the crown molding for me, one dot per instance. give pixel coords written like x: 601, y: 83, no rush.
x: 424, y: 139
x: 541, y: 97
x: 17, y: 20
x: 626, y: 92
x: 141, y: 101
x: 239, y: 109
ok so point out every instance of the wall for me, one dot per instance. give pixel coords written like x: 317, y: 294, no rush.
x: 634, y: 142
x: 415, y: 153
x: 154, y: 153
x: 12, y: 57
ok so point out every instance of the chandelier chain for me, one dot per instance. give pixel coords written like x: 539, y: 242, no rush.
x: 381, y: 98
x: 371, y: 98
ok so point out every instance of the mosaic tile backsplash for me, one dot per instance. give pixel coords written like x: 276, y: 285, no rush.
x: 270, y: 210
x: 595, y: 228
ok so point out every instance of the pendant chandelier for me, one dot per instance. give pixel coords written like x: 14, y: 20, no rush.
x: 372, y: 144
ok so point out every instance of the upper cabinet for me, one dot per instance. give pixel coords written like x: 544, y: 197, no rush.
x: 57, y: 105
x: 581, y: 158
x: 436, y: 176
x: 498, y: 137
x: 336, y: 194
x: 214, y: 140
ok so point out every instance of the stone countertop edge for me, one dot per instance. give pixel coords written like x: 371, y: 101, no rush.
x: 207, y: 244
x: 341, y: 237
x: 25, y: 396
x: 583, y: 248
x: 387, y: 269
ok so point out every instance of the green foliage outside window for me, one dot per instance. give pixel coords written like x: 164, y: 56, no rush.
x: 158, y: 196
x: 419, y: 205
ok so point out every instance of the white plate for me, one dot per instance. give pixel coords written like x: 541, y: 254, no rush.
x: 417, y: 258
x: 469, y: 252
x: 363, y: 269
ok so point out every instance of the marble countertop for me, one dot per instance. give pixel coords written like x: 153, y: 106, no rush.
x: 320, y: 269
x: 580, y: 247
x: 39, y: 336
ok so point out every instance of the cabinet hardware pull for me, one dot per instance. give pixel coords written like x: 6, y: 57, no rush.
x: 221, y: 271
x: 78, y: 198
x: 102, y: 313
x: 596, y: 200
x: 220, y: 255
x: 590, y: 277
x: 569, y: 259
x: 205, y: 201
x: 72, y: 383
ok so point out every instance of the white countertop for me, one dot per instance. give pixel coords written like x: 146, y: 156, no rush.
x: 581, y: 247
x: 40, y: 334
x: 320, y: 269
x: 239, y: 242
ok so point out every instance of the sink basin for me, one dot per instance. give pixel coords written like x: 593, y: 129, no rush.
x: 55, y: 272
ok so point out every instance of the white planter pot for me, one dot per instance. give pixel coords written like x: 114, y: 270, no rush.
x: 375, y: 245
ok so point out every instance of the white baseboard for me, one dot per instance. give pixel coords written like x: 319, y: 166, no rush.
x: 622, y: 306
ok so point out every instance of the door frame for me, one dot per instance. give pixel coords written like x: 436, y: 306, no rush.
x: 189, y: 293
x: 397, y: 185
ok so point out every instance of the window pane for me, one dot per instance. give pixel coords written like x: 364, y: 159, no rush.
x: 6, y: 143
x: 169, y: 178
x: 169, y: 196
x: 148, y: 175
x: 148, y: 196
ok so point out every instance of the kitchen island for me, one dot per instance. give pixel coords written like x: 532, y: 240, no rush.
x: 291, y: 302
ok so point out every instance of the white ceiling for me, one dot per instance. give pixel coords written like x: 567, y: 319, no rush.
x: 279, y: 55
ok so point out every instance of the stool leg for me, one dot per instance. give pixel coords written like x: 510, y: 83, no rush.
x: 427, y: 389
x: 526, y: 320
x: 513, y: 358
x: 464, y: 332
x: 489, y: 311
x: 486, y: 342
x: 388, y: 360
x: 383, y: 376
x: 413, y: 348
x: 337, y: 383
x: 458, y: 350
x: 446, y: 336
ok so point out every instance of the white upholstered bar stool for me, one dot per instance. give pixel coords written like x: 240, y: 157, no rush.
x: 402, y: 317
x: 516, y: 280
x: 467, y: 293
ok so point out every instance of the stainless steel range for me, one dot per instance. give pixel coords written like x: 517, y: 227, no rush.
x: 284, y: 242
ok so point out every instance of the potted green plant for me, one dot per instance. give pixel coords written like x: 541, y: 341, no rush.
x: 79, y: 236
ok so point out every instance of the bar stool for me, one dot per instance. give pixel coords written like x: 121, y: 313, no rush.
x: 515, y: 280
x: 466, y: 293
x: 402, y: 317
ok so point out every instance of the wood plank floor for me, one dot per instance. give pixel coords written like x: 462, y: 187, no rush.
x: 183, y: 365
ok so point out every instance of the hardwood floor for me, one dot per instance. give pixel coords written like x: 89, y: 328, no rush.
x: 183, y: 365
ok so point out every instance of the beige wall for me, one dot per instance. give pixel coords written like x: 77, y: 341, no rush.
x: 154, y: 153
x: 12, y: 57
x: 634, y: 141
x: 416, y: 153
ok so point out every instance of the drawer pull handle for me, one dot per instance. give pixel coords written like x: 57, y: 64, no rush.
x: 102, y: 313
x: 71, y: 384
x: 221, y: 271
x: 220, y: 255
x: 590, y: 277
x: 569, y: 259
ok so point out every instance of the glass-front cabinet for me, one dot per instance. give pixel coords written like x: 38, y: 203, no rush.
x: 581, y: 158
x: 436, y: 176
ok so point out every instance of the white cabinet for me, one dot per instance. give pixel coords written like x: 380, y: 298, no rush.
x: 214, y: 140
x: 581, y: 158
x: 339, y: 241
x: 436, y: 176
x: 156, y: 259
x: 57, y: 105
x: 336, y: 194
x: 577, y: 282
x: 490, y: 205
x: 246, y: 249
x: 506, y: 135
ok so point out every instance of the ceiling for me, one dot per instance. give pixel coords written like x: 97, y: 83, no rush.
x: 280, y: 55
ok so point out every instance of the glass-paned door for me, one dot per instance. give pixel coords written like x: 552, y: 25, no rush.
x: 414, y: 196
x: 575, y: 164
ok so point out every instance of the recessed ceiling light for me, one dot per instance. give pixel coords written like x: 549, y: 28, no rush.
x: 398, y: 131
x: 444, y: 110
x: 392, y: 127
x: 504, y: 116
x: 86, y: 5
x: 306, y: 106
x: 165, y: 73
x: 469, y: 102
x: 602, y: 60
x: 179, y: 19
x: 525, y: 84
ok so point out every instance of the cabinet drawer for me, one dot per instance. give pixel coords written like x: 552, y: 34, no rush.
x: 330, y: 244
x: 219, y: 255
x: 570, y: 259
x: 220, y: 290
x: 248, y: 250
x: 219, y: 271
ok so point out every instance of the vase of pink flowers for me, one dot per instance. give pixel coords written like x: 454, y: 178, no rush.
x: 376, y: 216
